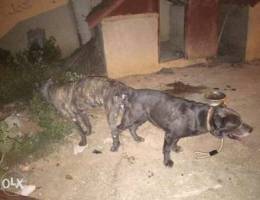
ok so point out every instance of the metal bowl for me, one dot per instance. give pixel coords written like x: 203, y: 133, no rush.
x: 215, y: 97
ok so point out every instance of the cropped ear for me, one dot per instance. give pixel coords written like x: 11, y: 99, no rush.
x: 224, y: 111
x: 224, y: 121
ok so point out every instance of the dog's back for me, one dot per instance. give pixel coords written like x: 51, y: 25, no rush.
x: 85, y: 93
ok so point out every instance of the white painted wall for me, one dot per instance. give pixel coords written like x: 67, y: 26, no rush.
x: 58, y: 22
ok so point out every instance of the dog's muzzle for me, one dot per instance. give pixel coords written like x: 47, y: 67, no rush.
x: 242, y: 131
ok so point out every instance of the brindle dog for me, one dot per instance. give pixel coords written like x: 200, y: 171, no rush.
x: 75, y: 98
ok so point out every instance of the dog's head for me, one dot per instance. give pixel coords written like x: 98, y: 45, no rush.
x: 121, y: 94
x: 227, y: 122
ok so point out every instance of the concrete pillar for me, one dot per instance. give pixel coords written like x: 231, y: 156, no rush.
x: 253, y: 39
x: 81, y: 9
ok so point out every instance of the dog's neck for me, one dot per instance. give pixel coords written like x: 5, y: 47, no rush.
x: 209, y: 118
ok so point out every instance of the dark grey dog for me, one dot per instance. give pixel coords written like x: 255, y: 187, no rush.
x: 178, y: 118
x: 75, y: 98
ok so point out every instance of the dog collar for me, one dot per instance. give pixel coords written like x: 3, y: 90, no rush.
x: 209, y: 117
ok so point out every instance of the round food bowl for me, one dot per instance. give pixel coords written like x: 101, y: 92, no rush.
x: 215, y: 98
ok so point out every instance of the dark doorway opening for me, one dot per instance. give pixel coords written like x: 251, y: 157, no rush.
x: 172, y: 29
x: 233, y: 32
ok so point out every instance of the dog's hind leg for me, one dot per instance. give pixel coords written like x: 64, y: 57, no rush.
x: 176, y: 148
x: 133, y: 130
x: 85, y: 129
x: 168, y: 142
x: 131, y: 122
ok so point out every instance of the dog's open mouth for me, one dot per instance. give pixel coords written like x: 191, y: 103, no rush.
x: 243, y: 131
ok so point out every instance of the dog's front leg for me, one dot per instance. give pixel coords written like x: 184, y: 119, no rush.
x: 168, y: 141
x: 115, y: 138
x: 112, y: 115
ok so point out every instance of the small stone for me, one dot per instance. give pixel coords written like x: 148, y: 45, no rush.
x: 95, y: 151
x: 150, y: 174
x: 165, y: 70
x: 69, y: 177
x: 228, y: 86
x: 25, y: 167
x: 219, y: 181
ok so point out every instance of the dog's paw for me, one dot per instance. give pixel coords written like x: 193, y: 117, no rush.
x: 177, y: 149
x: 114, y: 148
x: 82, y: 143
x: 168, y: 163
x: 139, y: 139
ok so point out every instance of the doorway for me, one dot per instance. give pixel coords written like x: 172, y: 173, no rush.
x: 233, y: 32
x: 172, y: 33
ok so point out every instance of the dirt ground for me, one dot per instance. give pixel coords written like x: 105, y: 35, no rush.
x: 136, y: 171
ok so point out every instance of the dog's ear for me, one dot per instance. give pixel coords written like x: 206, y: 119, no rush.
x: 225, y: 111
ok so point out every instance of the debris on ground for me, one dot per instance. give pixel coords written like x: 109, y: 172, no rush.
x: 27, y: 190
x: 227, y: 88
x: 79, y: 149
x: 150, y: 174
x: 25, y: 167
x: 166, y: 70
x: 179, y: 87
x: 20, y: 125
x: 95, y: 151
x: 130, y: 159
x: 68, y: 177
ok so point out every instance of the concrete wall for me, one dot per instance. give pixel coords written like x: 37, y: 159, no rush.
x: 14, y: 11
x: 131, y: 44
x: 58, y: 22
x: 165, y: 20
x: 253, y: 37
